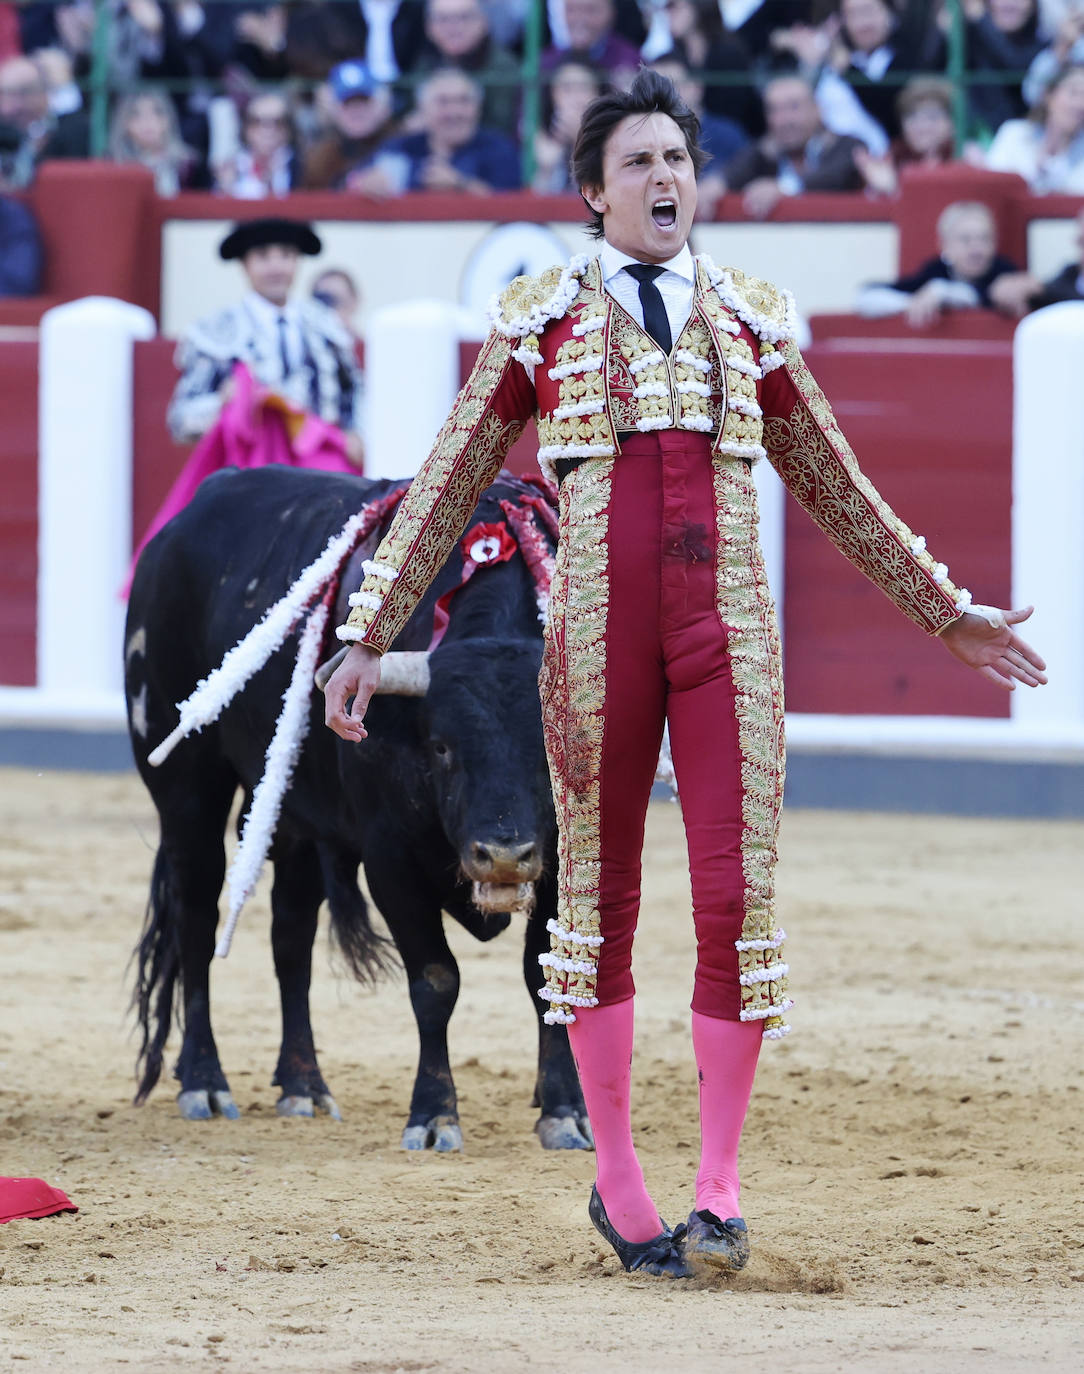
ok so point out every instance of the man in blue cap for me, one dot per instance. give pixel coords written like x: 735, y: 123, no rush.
x: 360, y: 110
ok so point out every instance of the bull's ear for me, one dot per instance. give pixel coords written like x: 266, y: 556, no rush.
x: 323, y: 673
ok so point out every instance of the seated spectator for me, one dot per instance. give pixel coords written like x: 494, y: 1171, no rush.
x: 592, y: 34
x: 457, y: 33
x: 796, y: 154
x: 266, y: 162
x: 571, y: 88
x: 20, y: 249
x: 1067, y: 49
x: 24, y: 106
x: 927, y: 135
x: 359, y: 112
x: 453, y: 152
x: 1047, y: 149
x: 720, y: 137
x: 338, y: 290
x: 968, y: 273
x: 1002, y: 39
x: 702, y: 42
x: 1068, y: 285
x: 145, y: 130
x: 878, y: 44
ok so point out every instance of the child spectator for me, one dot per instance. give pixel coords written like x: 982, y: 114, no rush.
x: 966, y: 274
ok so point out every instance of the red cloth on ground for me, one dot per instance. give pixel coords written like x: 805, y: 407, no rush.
x: 256, y: 427
x: 667, y: 658
x: 31, y: 1197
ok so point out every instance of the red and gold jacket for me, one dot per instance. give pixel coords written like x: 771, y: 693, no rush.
x: 563, y: 350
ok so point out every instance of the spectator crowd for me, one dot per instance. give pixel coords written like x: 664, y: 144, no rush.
x: 384, y: 98
x: 387, y: 97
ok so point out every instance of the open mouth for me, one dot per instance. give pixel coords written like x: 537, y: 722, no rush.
x: 664, y: 213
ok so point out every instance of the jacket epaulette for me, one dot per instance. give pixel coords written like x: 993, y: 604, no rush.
x: 768, y: 310
x: 524, y: 308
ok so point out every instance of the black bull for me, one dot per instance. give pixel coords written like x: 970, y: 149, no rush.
x: 448, y: 789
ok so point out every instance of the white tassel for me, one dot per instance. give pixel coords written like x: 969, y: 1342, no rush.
x: 279, y: 763
x: 247, y: 657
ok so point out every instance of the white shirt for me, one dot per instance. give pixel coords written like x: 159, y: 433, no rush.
x: 1017, y: 147
x: 379, y: 48
x: 266, y: 315
x: 675, y: 283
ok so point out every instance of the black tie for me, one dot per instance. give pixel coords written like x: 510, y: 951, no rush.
x: 284, y: 351
x: 655, y: 320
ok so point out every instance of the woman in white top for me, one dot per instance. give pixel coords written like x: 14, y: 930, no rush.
x: 1047, y: 149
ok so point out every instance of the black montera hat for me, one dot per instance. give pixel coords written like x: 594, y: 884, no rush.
x: 258, y: 233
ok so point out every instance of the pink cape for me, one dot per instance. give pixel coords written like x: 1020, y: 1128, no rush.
x: 31, y: 1197
x: 256, y: 427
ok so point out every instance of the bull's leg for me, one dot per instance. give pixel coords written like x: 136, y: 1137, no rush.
x: 194, y: 812
x: 417, y: 927
x: 295, y: 902
x: 562, y: 1124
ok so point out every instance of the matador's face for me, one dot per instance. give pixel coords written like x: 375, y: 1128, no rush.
x: 648, y: 194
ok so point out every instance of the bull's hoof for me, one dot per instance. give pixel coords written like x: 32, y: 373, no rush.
x: 440, y: 1134
x: 325, y: 1103
x: 200, y: 1104
x: 295, y: 1106
x: 564, y: 1133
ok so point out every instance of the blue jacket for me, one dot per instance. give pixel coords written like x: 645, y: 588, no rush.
x: 20, y: 250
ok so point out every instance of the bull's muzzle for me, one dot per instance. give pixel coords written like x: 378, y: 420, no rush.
x: 401, y: 674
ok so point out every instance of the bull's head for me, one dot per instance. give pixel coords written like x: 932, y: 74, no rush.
x: 481, y: 726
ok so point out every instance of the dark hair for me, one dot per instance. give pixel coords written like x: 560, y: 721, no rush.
x: 649, y: 94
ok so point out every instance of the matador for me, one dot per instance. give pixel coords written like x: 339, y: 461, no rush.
x: 658, y: 380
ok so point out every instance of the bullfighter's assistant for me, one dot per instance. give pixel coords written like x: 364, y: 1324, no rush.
x: 658, y: 380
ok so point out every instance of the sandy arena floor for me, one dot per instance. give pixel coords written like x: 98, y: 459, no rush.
x: 911, y: 1164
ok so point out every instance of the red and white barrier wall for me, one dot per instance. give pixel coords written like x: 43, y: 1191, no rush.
x: 978, y: 439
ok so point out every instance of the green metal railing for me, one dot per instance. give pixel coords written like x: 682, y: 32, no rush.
x: 100, y: 92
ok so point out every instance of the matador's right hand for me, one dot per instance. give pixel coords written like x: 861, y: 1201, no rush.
x: 357, y: 676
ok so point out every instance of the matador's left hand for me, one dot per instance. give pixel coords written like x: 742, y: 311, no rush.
x: 996, y: 651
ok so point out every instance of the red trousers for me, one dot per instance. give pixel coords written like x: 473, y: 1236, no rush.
x: 667, y: 660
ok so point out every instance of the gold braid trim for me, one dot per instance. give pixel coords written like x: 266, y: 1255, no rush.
x: 745, y: 607
x: 816, y: 463
x: 573, y: 687
x: 465, y: 459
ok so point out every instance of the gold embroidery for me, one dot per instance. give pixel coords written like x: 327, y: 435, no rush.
x: 745, y: 607
x: 819, y: 469
x: 466, y: 457
x: 573, y: 687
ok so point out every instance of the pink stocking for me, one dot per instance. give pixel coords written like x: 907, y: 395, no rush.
x: 601, y: 1040
x: 726, y: 1059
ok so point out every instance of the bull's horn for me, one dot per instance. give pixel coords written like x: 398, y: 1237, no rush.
x: 404, y: 675
x: 323, y: 673
x: 401, y: 674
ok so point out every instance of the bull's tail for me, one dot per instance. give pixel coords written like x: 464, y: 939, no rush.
x: 157, y: 966
x: 369, y: 954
